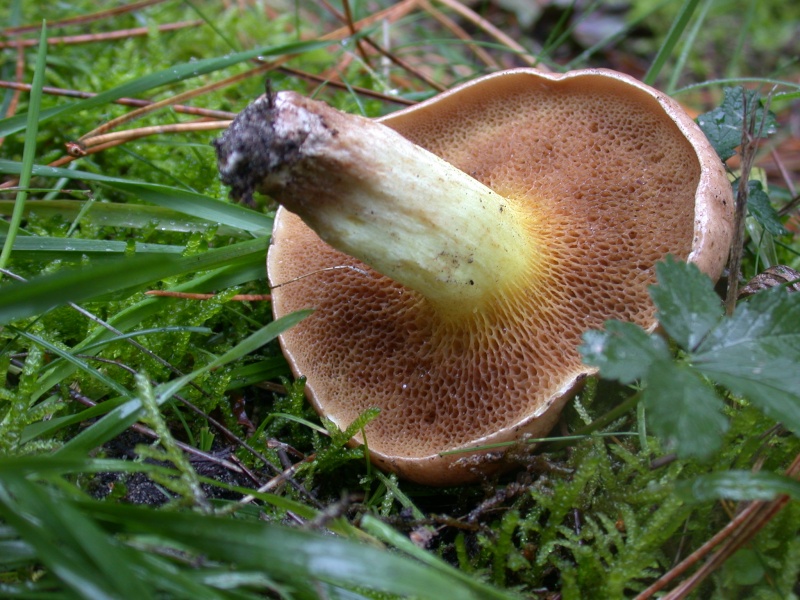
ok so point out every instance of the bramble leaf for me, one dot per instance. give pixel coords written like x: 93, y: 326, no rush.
x: 761, y: 209
x: 756, y: 353
x: 723, y: 126
x: 738, y: 485
x: 623, y: 351
x: 683, y: 410
x: 687, y: 305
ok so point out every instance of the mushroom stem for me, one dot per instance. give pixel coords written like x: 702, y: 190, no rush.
x: 372, y: 194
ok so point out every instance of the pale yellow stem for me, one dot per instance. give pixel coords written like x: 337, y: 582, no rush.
x: 372, y: 194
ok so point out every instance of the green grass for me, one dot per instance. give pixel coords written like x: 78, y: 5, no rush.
x: 142, y: 438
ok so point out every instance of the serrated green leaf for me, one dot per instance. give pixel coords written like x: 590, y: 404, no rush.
x: 740, y: 486
x: 683, y: 410
x: 688, y: 306
x: 756, y: 352
x: 761, y: 209
x: 622, y: 351
x: 723, y: 126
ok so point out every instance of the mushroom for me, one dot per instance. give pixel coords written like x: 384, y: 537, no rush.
x: 455, y: 251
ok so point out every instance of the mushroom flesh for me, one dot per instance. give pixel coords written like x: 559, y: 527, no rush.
x: 454, y: 252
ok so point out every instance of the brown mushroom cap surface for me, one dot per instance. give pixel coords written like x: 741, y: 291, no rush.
x: 621, y: 177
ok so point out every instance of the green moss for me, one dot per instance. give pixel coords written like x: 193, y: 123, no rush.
x: 597, y: 519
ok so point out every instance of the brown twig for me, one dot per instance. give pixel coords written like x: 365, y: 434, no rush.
x: 82, y: 19
x: 493, y: 31
x: 339, y: 85
x: 749, y: 147
x: 136, y: 102
x: 733, y: 536
x: 460, y: 33
x: 347, y: 18
x: 89, y: 38
x: 19, y: 73
x: 134, y: 134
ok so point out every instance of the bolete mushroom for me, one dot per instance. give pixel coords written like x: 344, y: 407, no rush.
x: 454, y: 252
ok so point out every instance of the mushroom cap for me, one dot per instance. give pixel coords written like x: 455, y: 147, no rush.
x: 621, y: 177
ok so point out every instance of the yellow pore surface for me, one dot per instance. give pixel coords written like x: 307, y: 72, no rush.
x: 609, y: 181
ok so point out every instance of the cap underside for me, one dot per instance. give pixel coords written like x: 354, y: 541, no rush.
x: 615, y: 181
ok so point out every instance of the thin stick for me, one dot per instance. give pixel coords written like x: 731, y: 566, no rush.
x: 134, y: 134
x: 103, y: 14
x: 137, y: 102
x: 493, y: 31
x: 741, y: 528
x: 382, y: 51
x: 748, y: 149
x: 339, y: 85
x: 460, y: 33
x: 89, y: 38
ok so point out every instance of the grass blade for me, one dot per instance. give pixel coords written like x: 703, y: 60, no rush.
x: 21, y: 300
x: 107, y: 214
x: 191, y: 203
x: 674, y: 34
x: 69, y: 543
x: 294, y: 556
x: 125, y: 415
x: 29, y: 151
x: 80, y: 247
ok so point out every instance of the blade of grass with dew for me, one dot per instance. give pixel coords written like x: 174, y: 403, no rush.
x: 48, y: 428
x: 161, y: 78
x: 102, y: 214
x: 69, y: 542
x: 78, y: 551
x: 29, y: 150
x: 125, y: 415
x: 238, y: 269
x: 37, y: 245
x: 673, y: 35
x: 106, y: 214
x: 74, y: 360
x: 294, y: 555
x: 385, y: 533
x: 784, y: 96
x: 191, y: 203
x: 25, y: 299
x: 263, y: 370
x: 687, y: 46
x: 154, y: 330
